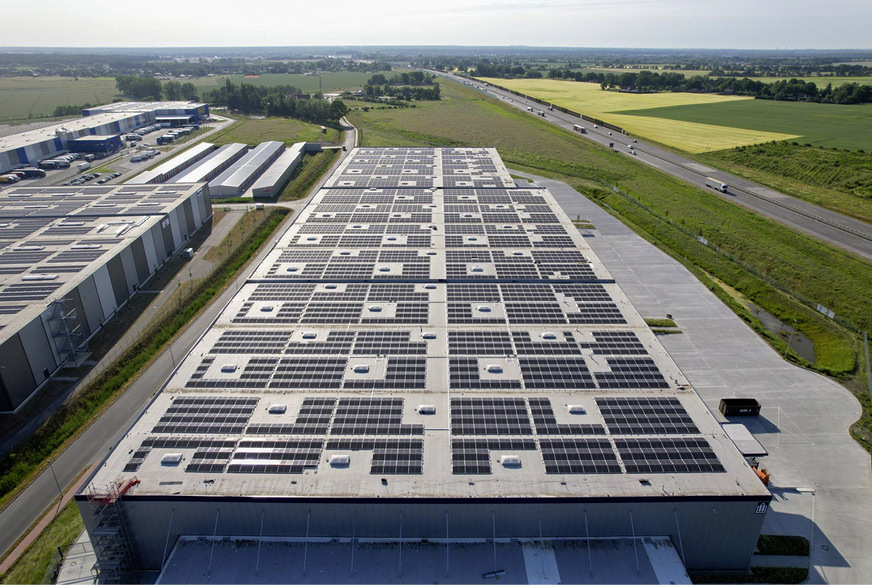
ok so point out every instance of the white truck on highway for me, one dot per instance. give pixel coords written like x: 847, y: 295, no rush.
x: 716, y: 184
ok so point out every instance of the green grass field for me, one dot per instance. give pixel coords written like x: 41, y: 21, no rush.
x: 820, y: 80
x: 289, y: 131
x: 37, y: 97
x: 611, y: 106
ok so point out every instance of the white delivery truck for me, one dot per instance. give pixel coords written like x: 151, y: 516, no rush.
x: 83, y: 166
x: 716, y: 184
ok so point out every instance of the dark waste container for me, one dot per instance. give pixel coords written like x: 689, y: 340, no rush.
x: 739, y: 407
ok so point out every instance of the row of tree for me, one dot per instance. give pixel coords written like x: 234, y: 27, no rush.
x: 280, y: 100
x: 783, y: 90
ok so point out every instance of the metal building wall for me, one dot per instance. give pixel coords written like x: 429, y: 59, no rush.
x: 710, y: 533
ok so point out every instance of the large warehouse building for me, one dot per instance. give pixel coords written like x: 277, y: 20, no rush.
x: 28, y: 148
x: 430, y: 378
x: 69, y: 258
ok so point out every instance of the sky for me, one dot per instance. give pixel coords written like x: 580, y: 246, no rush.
x: 715, y: 24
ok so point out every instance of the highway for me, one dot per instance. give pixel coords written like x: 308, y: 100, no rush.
x: 844, y: 232
x: 105, y: 431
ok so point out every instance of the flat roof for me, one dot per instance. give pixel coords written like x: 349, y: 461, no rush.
x: 199, y: 171
x: 53, y: 238
x: 144, y: 106
x: 275, y: 171
x: 23, y: 139
x: 242, y: 169
x: 172, y: 163
x: 460, y: 338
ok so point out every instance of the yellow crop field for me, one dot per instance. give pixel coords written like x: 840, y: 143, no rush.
x: 589, y: 99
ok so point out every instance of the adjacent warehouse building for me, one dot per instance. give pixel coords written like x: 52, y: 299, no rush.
x: 430, y: 372
x: 174, y: 166
x: 69, y: 258
x: 213, y: 165
x: 28, y: 148
x: 179, y: 113
x: 238, y: 178
x: 273, y: 180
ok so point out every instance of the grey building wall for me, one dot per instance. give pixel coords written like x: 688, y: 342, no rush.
x: 129, y: 266
x: 15, y: 374
x: 118, y: 280
x: 92, y: 309
x: 39, y: 350
x: 715, y: 533
x: 139, y: 259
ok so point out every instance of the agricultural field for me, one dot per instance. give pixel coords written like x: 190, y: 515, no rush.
x: 827, y: 125
x: 330, y: 80
x: 690, y: 136
x: 699, y: 123
x: 254, y: 131
x: 36, y: 97
x: 820, y: 80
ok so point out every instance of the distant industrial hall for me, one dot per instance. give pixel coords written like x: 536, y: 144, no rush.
x: 430, y: 378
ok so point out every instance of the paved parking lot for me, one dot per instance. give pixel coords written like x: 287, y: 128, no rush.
x: 822, y: 482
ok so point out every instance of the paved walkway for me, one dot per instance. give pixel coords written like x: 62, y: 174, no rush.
x: 821, y: 478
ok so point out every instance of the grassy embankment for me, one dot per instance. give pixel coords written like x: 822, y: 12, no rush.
x: 39, y: 561
x: 28, y: 458
x: 771, y: 265
x: 835, y: 179
x: 311, y: 168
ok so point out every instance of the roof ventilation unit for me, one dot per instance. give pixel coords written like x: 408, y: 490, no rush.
x: 278, y: 408
x: 426, y: 409
x: 494, y: 369
x: 228, y: 368
x: 576, y: 409
x: 361, y: 369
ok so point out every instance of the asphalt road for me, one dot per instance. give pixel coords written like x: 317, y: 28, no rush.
x: 96, y: 442
x: 845, y: 232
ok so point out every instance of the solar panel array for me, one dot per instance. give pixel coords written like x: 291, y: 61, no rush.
x: 427, y: 317
x: 55, y: 233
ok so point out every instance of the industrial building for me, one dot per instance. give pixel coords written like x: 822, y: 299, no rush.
x: 28, y: 148
x: 69, y: 258
x: 174, y: 166
x: 178, y: 113
x: 273, y: 180
x: 211, y: 166
x: 430, y: 364
x: 238, y: 178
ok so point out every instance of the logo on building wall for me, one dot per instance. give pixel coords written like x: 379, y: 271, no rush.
x: 762, y: 508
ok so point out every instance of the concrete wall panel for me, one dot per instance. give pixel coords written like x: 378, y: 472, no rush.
x: 105, y: 291
x: 150, y: 251
x: 139, y: 259
x: 118, y: 280
x: 41, y: 353
x: 92, y: 310
x: 129, y: 265
x: 17, y: 378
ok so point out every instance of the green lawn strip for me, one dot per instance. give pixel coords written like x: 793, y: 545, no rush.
x: 226, y: 200
x: 660, y: 323
x: 254, y: 131
x: 310, y: 169
x: 22, y: 464
x: 38, y: 563
x: 774, y: 544
x: 787, y: 575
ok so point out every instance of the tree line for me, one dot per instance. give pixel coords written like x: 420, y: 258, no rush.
x: 414, y: 85
x: 279, y: 100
